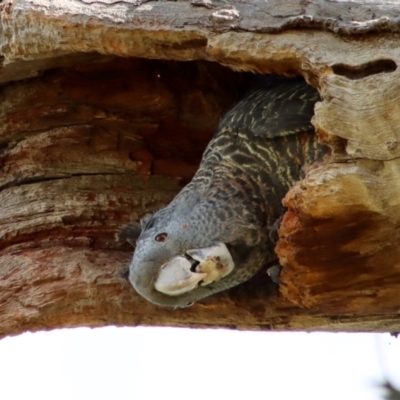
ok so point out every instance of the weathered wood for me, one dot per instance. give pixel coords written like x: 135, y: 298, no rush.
x: 90, y: 141
x: 41, y: 34
x: 339, y: 241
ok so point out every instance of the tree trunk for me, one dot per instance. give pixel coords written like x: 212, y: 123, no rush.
x: 102, y: 122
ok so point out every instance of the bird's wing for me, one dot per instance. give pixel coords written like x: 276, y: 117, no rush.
x: 272, y: 111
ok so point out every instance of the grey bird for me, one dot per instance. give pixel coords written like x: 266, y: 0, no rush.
x: 216, y: 233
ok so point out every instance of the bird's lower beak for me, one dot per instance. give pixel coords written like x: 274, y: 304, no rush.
x: 197, y: 267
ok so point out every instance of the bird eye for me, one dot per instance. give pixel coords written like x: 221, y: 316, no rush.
x: 161, y: 237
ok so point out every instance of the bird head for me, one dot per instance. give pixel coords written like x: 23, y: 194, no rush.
x: 185, y: 252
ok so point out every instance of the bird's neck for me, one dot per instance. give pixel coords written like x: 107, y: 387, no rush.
x: 226, y: 205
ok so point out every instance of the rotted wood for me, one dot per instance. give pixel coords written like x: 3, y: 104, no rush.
x: 90, y: 141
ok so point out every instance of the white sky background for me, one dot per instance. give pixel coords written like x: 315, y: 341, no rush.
x: 183, y: 364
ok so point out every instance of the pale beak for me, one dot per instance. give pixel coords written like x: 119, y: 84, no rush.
x: 199, y: 266
x: 176, y: 278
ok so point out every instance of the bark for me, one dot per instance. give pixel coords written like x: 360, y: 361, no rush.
x: 102, y: 122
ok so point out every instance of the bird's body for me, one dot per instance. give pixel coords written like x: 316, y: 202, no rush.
x: 257, y: 153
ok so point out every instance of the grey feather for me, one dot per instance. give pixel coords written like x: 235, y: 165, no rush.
x: 263, y: 117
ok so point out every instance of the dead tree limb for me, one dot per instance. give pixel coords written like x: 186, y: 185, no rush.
x: 101, y: 122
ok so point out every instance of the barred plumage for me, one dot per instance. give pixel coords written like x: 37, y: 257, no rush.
x: 257, y: 153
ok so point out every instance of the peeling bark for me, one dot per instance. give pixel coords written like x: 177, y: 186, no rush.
x: 90, y: 141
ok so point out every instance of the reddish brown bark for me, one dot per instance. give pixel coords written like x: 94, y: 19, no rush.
x: 89, y: 141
